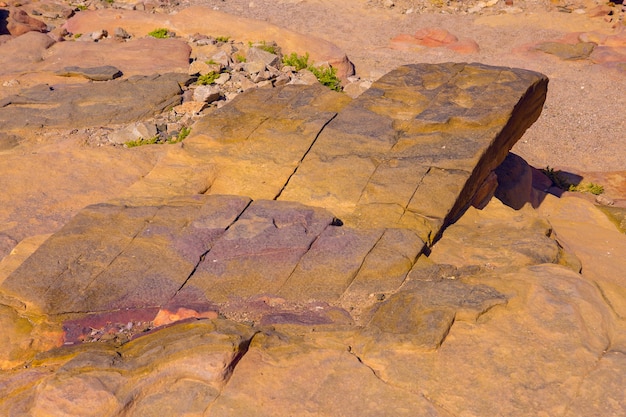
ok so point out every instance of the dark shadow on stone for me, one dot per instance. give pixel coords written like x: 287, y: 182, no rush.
x: 4, y: 21
x: 519, y: 183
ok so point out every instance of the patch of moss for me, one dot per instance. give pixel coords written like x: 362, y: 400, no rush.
x: 160, y: 33
x: 588, y: 187
x: 207, y: 79
x: 142, y: 141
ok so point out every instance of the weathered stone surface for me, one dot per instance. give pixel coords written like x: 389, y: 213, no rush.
x: 395, y: 144
x: 102, y: 73
x: 25, y: 51
x: 340, y: 310
x: 244, y: 148
x: 144, y: 56
x: 78, y: 105
x: 313, y: 375
x: 511, y: 352
x: 580, y: 50
x: 195, y: 362
x: 422, y: 130
x: 110, y: 262
x: 499, y: 237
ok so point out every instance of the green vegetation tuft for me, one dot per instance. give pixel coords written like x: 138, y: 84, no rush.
x: 160, y: 33
x: 327, y: 76
x: 267, y: 47
x: 209, y: 78
x: 559, y: 180
x: 141, y: 142
x: 77, y: 35
x: 588, y: 187
x: 184, y: 132
x: 240, y: 58
x: 210, y: 62
x: 297, y: 61
x: 223, y: 39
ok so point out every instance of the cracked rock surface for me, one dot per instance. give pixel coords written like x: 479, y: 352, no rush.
x: 305, y: 253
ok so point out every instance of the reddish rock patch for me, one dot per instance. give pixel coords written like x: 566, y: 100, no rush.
x: 434, y: 38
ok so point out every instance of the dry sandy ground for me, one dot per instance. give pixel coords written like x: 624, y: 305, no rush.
x: 582, y: 127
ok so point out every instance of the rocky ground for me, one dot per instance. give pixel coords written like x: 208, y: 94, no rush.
x: 349, y: 271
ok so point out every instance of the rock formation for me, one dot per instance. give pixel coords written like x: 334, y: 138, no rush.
x: 300, y: 252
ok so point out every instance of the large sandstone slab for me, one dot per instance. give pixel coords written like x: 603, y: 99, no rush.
x: 414, y: 149
x: 410, y: 153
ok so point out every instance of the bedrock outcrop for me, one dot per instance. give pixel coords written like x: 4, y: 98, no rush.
x: 304, y: 253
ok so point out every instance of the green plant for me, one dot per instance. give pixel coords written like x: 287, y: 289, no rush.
x: 141, y: 142
x: 327, y: 76
x: 160, y: 33
x: 77, y: 35
x: 297, y: 61
x: 557, y: 178
x: 210, y: 62
x: 81, y: 7
x: 184, y: 132
x: 240, y: 58
x: 207, y: 79
x: 268, y: 47
x: 588, y: 187
x: 222, y: 39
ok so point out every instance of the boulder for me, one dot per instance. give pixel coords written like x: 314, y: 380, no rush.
x: 19, y: 22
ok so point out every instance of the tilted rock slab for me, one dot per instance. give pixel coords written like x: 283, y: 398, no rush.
x: 411, y: 152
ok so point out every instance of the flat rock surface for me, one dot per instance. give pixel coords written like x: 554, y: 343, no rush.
x: 79, y: 105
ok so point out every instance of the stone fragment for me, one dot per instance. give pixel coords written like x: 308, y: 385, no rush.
x: 120, y: 33
x: 202, y: 68
x: 580, y: 50
x: 19, y: 22
x: 103, y: 73
x: 133, y: 132
x: 420, y: 316
x: 24, y: 51
x: 498, y: 237
x: 262, y: 56
x: 206, y: 93
x: 434, y: 37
